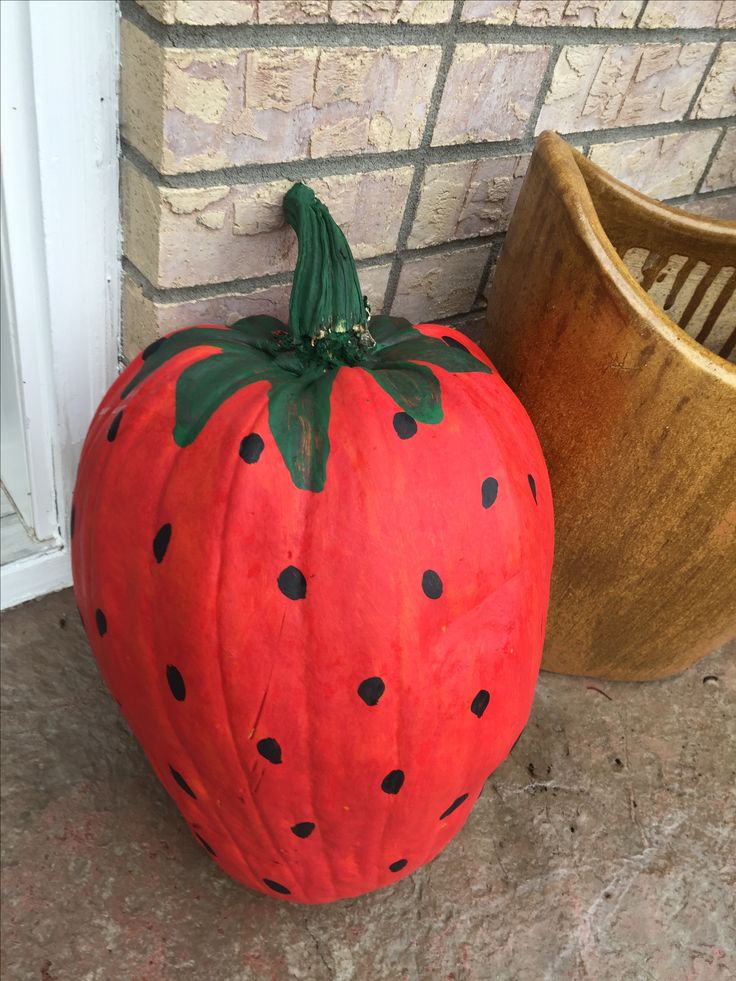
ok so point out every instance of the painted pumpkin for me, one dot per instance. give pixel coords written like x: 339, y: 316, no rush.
x: 313, y: 564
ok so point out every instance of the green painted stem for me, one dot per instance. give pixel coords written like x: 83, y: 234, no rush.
x: 327, y: 309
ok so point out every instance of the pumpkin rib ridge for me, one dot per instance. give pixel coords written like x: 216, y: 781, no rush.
x: 308, y: 526
x: 96, y: 437
x: 134, y: 423
x: 156, y: 687
x: 308, y: 702
x: 154, y: 684
x: 265, y: 829
x: 100, y: 424
x: 429, y: 846
x: 389, y: 436
x: 172, y: 725
x: 467, y: 398
x: 518, y: 480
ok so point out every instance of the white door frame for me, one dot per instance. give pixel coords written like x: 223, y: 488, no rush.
x: 60, y: 64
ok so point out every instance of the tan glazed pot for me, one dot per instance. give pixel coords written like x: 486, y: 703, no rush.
x: 612, y: 317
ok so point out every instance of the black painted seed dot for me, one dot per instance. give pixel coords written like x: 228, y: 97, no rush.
x: 161, y: 542
x: 182, y: 782
x: 269, y: 749
x: 404, y: 425
x: 532, y: 487
x: 303, y: 829
x: 432, y: 584
x: 451, y: 342
x: 277, y: 887
x: 398, y: 866
x: 114, y: 426
x: 371, y: 690
x: 393, y: 782
x: 101, y: 621
x: 206, y: 844
x: 71, y: 522
x: 251, y: 448
x: 454, y: 806
x: 488, y: 491
x: 292, y: 583
x: 152, y: 348
x: 480, y: 702
x: 176, y: 683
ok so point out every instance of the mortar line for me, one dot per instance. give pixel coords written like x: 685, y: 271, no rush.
x: 458, y: 319
x: 701, y: 84
x: 640, y: 15
x: 541, y: 95
x: 200, y: 291
x: 711, y: 157
x: 331, y: 34
x: 365, y: 162
x: 485, y: 280
x: 719, y: 192
x: 420, y: 161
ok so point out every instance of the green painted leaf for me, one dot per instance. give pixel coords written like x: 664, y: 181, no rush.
x: 169, y: 347
x: 203, y: 387
x: 387, y: 330
x: 299, y: 418
x: 432, y: 350
x: 414, y: 389
x: 262, y: 331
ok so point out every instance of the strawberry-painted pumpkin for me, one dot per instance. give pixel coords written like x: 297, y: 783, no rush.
x: 313, y: 565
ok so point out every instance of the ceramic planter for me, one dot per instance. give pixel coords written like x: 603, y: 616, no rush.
x: 613, y: 318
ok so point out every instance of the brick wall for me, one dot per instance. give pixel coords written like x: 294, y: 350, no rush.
x: 412, y: 119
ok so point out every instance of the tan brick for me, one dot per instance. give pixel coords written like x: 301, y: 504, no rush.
x: 489, y: 92
x: 298, y: 12
x: 141, y: 91
x: 438, y: 286
x: 467, y: 198
x: 202, y: 11
x: 160, y: 9
x: 209, y: 12
x: 390, y: 12
x: 682, y: 13
x: 553, y: 13
x: 187, y: 237
x: 145, y: 319
x: 727, y: 16
x: 723, y: 206
x: 718, y: 96
x: 226, y: 107
x: 722, y: 171
x: 139, y: 324
x: 662, y: 166
x: 602, y: 86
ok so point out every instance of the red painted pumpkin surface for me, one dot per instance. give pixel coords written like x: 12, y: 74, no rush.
x: 313, y: 565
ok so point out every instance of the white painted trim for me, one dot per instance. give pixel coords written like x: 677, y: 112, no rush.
x: 25, y: 263
x: 60, y: 65
x: 28, y: 578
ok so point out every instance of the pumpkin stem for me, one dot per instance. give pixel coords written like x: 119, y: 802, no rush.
x: 327, y: 309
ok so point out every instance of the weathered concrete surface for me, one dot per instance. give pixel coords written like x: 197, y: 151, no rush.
x: 602, y: 849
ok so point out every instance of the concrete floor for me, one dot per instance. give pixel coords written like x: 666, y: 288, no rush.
x: 604, y: 847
